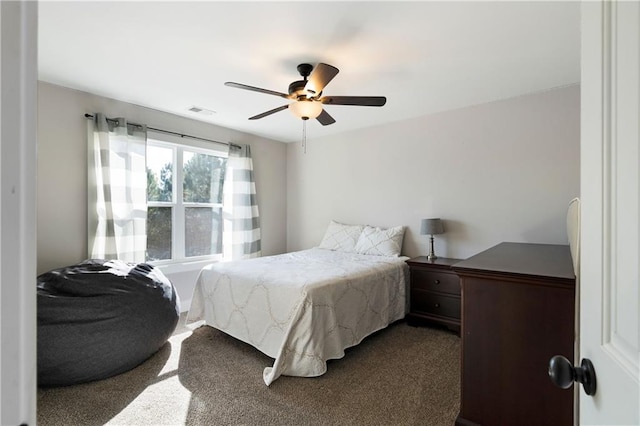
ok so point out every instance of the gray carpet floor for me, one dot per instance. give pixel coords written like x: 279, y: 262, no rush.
x: 402, y: 375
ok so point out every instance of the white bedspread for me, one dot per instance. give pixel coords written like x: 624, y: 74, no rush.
x: 302, y: 308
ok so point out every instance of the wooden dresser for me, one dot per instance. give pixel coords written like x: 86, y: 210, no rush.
x: 435, y: 292
x: 518, y: 307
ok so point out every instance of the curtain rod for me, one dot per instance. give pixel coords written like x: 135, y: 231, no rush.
x: 173, y: 133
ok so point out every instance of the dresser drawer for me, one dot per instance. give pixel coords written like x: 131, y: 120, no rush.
x: 435, y: 281
x: 435, y: 304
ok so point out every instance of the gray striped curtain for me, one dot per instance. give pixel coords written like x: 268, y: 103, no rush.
x: 241, y: 237
x: 117, y: 190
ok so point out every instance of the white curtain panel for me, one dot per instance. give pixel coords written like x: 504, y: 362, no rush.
x: 117, y: 210
x: 241, y: 236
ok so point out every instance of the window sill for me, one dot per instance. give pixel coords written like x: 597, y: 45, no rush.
x: 174, y: 267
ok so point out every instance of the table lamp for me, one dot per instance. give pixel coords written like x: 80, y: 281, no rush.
x: 431, y: 227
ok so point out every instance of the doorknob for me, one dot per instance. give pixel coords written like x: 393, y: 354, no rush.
x: 563, y: 374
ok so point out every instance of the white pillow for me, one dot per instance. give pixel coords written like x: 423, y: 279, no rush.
x: 341, y: 237
x: 380, y: 241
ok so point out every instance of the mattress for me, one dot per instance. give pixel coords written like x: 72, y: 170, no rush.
x: 302, y: 308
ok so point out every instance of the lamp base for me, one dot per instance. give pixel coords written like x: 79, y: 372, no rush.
x: 431, y: 256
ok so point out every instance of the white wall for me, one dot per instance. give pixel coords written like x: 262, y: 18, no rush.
x: 62, y: 174
x: 502, y: 171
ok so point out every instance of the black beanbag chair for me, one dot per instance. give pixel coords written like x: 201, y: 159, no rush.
x: 100, y: 318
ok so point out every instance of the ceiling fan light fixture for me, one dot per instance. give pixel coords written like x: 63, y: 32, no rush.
x: 306, y: 109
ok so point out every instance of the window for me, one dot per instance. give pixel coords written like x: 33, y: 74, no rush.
x: 184, y: 199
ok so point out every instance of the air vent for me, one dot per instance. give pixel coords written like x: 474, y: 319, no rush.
x: 201, y: 111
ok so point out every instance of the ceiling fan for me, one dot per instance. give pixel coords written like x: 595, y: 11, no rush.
x: 307, y: 95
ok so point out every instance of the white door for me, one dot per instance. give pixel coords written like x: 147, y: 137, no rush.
x: 610, y: 192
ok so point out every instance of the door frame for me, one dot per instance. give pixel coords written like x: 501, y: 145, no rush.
x: 18, y: 164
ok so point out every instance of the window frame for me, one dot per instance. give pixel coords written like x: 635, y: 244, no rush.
x: 179, y: 261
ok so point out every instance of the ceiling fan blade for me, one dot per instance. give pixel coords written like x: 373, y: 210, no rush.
x: 320, y: 77
x: 325, y: 119
x: 354, y: 100
x: 273, y: 111
x: 256, y: 89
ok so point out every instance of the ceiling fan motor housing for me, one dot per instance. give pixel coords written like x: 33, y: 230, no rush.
x: 297, y: 87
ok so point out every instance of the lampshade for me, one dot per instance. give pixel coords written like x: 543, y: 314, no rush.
x: 431, y: 227
x: 306, y: 109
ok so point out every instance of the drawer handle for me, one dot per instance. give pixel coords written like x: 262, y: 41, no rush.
x: 437, y: 305
x: 437, y: 281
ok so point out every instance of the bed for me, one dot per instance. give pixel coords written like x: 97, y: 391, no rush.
x: 306, y: 307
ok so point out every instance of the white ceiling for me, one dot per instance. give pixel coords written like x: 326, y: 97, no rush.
x: 425, y: 57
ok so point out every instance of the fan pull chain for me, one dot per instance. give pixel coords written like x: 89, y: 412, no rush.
x: 304, y: 136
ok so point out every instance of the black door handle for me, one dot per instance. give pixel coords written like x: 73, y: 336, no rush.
x: 563, y: 374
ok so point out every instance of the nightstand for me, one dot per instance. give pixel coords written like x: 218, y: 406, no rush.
x: 434, y: 292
